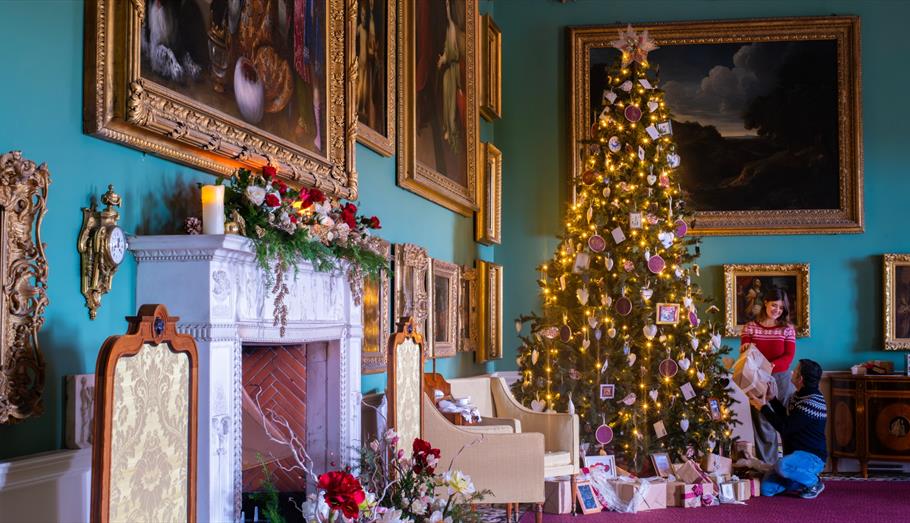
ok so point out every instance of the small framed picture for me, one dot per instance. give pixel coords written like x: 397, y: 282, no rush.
x: 659, y: 429
x: 714, y: 407
x: 667, y: 313
x: 635, y: 220
x: 687, y: 391
x: 584, y: 494
x: 608, y: 463
x: 607, y: 390
x: 726, y: 491
x: 665, y: 128
x: 662, y: 465
x: 582, y: 262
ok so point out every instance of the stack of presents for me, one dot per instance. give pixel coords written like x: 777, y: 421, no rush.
x: 687, y: 485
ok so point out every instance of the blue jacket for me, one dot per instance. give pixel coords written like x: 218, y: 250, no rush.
x: 801, y: 423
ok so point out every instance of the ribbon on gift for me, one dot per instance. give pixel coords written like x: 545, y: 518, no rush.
x: 754, y: 487
x: 708, y: 500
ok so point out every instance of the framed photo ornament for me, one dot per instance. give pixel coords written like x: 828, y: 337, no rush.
x: 667, y: 314
x: 746, y: 285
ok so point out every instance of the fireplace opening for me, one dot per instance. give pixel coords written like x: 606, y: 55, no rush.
x: 291, y: 382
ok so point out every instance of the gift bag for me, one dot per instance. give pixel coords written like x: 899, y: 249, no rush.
x: 752, y: 372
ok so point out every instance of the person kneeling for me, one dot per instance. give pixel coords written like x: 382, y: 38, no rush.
x: 802, y: 428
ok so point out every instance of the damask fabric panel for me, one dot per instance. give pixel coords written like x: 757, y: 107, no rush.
x: 408, y: 391
x: 149, y: 435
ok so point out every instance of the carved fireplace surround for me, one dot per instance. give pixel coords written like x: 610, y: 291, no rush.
x: 214, y: 284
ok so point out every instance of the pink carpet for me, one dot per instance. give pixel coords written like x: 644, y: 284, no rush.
x: 842, y: 501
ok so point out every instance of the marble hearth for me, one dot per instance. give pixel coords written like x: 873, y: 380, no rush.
x: 215, y: 286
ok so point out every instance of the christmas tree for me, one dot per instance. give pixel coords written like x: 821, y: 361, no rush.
x: 626, y: 338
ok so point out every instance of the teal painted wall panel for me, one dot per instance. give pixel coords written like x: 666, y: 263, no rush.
x: 41, y: 114
x: 845, y: 270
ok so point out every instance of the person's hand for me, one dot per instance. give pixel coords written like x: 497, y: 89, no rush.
x: 756, y: 402
x: 771, y: 393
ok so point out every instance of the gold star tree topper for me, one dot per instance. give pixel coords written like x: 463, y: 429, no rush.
x: 634, y: 47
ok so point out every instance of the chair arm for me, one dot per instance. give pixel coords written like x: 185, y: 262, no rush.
x: 511, y: 422
x: 560, y: 430
x: 509, y: 465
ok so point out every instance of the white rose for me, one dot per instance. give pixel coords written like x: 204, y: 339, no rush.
x: 436, y: 517
x: 459, y: 483
x: 418, y: 507
x: 255, y: 194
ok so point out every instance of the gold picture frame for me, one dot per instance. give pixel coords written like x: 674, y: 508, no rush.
x: 378, y: 137
x: 469, y: 305
x: 377, y: 312
x: 430, y: 170
x: 413, y: 290
x: 744, y: 286
x: 489, y: 287
x: 23, y: 203
x: 446, y: 288
x: 896, y: 302
x: 127, y: 101
x: 491, y: 69
x: 733, y: 213
x: 488, y: 218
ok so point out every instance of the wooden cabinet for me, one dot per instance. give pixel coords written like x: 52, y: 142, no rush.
x: 870, y: 418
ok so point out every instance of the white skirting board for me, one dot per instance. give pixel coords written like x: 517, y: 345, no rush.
x: 49, y: 487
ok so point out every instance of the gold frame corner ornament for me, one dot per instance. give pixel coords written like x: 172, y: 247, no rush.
x: 452, y: 274
x: 413, y: 290
x: 491, y: 69
x: 845, y: 30
x: 411, y: 174
x: 123, y: 107
x: 377, y: 295
x: 23, y: 204
x: 800, y: 270
x: 489, y: 289
x: 383, y: 141
x: 488, y: 218
x: 890, y: 262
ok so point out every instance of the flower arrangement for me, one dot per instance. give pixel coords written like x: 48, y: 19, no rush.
x: 288, y: 226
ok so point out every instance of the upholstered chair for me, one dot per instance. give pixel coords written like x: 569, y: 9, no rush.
x: 404, y: 387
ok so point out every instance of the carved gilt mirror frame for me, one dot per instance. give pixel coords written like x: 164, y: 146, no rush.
x: 413, y: 280
x: 23, y: 202
x: 124, y: 105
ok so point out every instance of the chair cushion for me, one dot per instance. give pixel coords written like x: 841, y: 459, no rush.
x: 488, y: 429
x: 556, y: 458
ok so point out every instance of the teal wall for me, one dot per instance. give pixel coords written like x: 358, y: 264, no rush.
x: 845, y: 270
x: 41, y: 115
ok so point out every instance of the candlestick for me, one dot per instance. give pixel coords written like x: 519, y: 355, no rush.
x: 212, y: 209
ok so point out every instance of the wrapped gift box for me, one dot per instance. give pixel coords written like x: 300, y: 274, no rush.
x: 559, y: 497
x: 684, y: 495
x: 743, y: 490
x: 689, y: 472
x: 754, y: 487
x: 716, y: 464
x: 744, y: 450
x: 654, y: 497
x: 752, y: 372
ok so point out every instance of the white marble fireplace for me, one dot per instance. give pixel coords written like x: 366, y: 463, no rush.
x: 214, y: 284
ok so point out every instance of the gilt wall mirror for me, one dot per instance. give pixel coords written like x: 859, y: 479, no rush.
x: 23, y: 202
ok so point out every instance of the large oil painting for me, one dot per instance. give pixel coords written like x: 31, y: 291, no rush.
x: 746, y: 288
x: 896, y: 301
x: 375, y: 86
x: 221, y: 84
x: 438, y: 112
x: 765, y: 117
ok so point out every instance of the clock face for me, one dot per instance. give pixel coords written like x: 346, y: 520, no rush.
x: 116, y: 245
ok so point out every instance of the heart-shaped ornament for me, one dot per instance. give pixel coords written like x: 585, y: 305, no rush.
x: 687, y: 302
x: 608, y: 301
x: 684, y: 424
x: 728, y: 362
x: 592, y: 321
x: 632, y: 358
x: 649, y: 331
x: 597, y: 334
x: 629, y: 399
x: 701, y: 376
x: 653, y: 393
x: 585, y: 343
x: 590, y: 214
x: 647, y: 293
x: 582, y: 295
x: 562, y: 282
x: 538, y: 406
x: 609, y: 263
x: 716, y: 340
x: 651, y: 179
x: 684, y: 363
x: 606, y: 192
x: 666, y: 239
x: 694, y: 343
x: 611, y: 332
x: 652, y: 106
x: 534, y: 356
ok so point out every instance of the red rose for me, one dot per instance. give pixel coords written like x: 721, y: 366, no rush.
x: 310, y: 196
x: 281, y: 186
x: 349, y: 214
x: 422, y: 450
x: 293, y: 219
x: 342, y: 492
x: 374, y: 223
x: 269, y: 171
x: 317, y: 196
x: 271, y: 200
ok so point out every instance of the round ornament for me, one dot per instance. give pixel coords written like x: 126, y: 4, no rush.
x: 565, y: 333
x: 550, y: 332
x: 668, y: 368
x: 681, y: 228
x: 604, y: 434
x: 656, y: 264
x: 623, y: 306
x: 588, y: 177
x: 614, y: 144
x: 633, y: 113
x: 597, y: 243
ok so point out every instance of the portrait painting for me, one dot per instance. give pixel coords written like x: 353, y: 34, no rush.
x: 896, y: 302
x: 375, y: 85
x: 765, y: 118
x: 746, y: 288
x: 446, y: 286
x: 438, y: 113
x: 222, y: 84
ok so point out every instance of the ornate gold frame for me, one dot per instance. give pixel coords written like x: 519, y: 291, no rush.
x: 491, y: 67
x: 889, y: 264
x: 800, y: 270
x: 121, y: 106
x: 452, y: 275
x: 468, y: 304
x: 848, y: 218
x: 413, y: 283
x: 413, y: 175
x: 377, y: 310
x: 23, y: 202
x: 383, y: 140
x: 488, y: 222
x: 489, y: 283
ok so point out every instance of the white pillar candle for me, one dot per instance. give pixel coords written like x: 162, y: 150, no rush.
x: 212, y: 209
